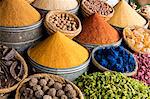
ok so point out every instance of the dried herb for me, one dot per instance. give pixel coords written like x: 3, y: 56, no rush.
x: 11, y: 69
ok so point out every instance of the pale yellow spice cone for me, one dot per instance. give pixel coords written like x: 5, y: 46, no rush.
x: 55, y: 4
x: 126, y: 16
x: 16, y: 13
x: 58, y: 51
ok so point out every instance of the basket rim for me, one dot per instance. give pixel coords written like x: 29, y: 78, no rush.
x: 86, y: 9
x: 105, y: 69
x: 12, y: 88
x: 58, y: 29
x: 126, y: 41
x: 17, y: 96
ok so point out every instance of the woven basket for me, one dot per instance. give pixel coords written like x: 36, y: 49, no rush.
x: 129, y: 45
x: 52, y: 29
x: 55, y: 77
x: 10, y: 89
x: 102, y: 68
x: 86, y: 12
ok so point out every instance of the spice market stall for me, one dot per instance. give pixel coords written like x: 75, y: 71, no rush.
x: 74, y: 49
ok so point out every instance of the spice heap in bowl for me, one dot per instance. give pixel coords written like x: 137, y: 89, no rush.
x: 96, y: 31
x: 13, y: 69
x: 64, y: 22
x: 143, y: 73
x: 90, y: 7
x: 138, y: 39
x: 125, y: 16
x: 110, y: 85
x: 17, y: 13
x: 47, y: 86
x: 114, y: 59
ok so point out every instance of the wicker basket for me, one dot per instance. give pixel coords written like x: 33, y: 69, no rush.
x: 102, y: 68
x: 10, y: 89
x: 52, y: 29
x: 129, y: 45
x: 86, y: 12
x: 55, y: 77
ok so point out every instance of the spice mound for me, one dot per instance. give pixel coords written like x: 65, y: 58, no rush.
x: 97, y: 31
x: 138, y: 39
x: 17, y: 13
x: 115, y: 59
x: 56, y: 4
x: 58, y: 51
x: 47, y: 88
x: 143, y: 73
x: 110, y: 85
x: 98, y: 6
x: 126, y: 16
x: 64, y: 22
x: 11, y: 69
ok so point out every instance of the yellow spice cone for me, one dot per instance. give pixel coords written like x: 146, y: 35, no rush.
x: 126, y: 16
x: 58, y: 51
x: 16, y: 13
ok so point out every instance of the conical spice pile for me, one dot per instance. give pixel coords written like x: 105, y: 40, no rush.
x: 17, y: 13
x: 97, y: 31
x: 58, y: 51
x: 125, y: 15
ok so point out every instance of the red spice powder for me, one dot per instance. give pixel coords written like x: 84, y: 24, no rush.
x: 97, y: 31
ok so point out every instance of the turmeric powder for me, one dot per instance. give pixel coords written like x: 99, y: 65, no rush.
x: 16, y: 13
x: 58, y: 51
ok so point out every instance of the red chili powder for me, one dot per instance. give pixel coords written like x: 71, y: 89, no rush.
x: 97, y: 31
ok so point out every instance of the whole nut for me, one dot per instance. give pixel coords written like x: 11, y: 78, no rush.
x: 33, y: 81
x: 47, y: 97
x: 45, y: 88
x: 52, y: 92
x: 68, y: 87
x: 37, y: 87
x: 71, y: 94
x: 57, y: 85
x: 60, y: 93
x: 39, y: 94
x: 64, y: 97
x: 50, y: 83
